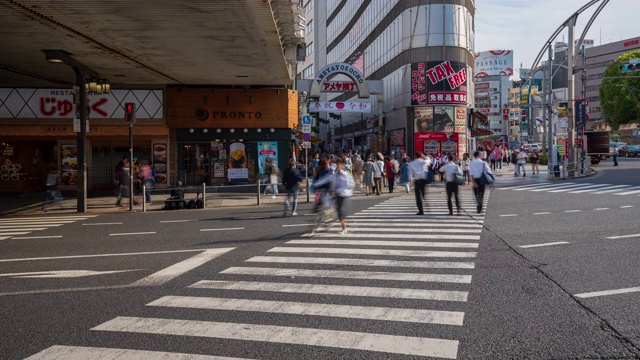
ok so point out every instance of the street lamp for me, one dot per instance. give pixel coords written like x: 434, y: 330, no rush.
x: 81, y: 71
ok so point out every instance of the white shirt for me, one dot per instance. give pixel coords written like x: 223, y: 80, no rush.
x: 378, y: 168
x: 477, y: 167
x: 450, y: 170
x: 418, y: 168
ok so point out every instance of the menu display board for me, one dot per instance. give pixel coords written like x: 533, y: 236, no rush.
x: 160, y: 162
x: 238, y: 171
x: 69, y: 164
x: 218, y: 169
x: 267, y: 150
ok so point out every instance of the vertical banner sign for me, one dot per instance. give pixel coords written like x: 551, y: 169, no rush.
x: 160, y: 162
x: 267, y: 150
x: 238, y: 171
x: 437, y: 82
x: 69, y: 164
x: 580, y: 109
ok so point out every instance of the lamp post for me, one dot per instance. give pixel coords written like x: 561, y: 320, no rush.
x: 81, y: 72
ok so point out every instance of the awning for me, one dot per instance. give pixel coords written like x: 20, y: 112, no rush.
x: 315, y: 140
x: 480, y: 118
x: 475, y: 132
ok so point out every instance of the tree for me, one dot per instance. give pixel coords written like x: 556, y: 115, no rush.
x: 619, y: 93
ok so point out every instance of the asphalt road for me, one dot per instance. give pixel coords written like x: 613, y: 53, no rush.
x: 248, y: 283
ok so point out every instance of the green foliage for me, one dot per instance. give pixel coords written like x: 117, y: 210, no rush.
x: 618, y: 103
x: 543, y: 159
x: 315, y: 129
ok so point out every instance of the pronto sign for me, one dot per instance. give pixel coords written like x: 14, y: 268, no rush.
x: 340, y: 68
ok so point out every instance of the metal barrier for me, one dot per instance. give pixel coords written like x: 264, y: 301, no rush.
x: 564, y: 169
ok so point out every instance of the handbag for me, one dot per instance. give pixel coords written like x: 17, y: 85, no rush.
x: 485, y: 179
x: 459, y: 179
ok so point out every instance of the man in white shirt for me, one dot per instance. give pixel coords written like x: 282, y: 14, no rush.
x: 419, y: 171
x: 450, y: 169
x: 477, y: 167
x: 521, y: 158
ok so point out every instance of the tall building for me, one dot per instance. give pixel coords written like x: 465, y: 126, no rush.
x: 422, y: 51
x: 587, y: 84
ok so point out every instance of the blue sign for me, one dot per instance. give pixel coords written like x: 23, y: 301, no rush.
x: 306, y: 137
x: 580, y: 111
x: 306, y: 119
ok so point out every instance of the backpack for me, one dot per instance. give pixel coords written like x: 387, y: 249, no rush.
x: 394, y: 167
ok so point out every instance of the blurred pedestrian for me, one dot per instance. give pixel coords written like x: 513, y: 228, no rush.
x: 478, y: 170
x: 464, y: 165
x: 378, y: 174
x: 390, y: 171
x: 291, y: 180
x: 450, y: 169
x: 534, y: 159
x: 341, y: 184
x: 52, y: 193
x: 420, y: 168
x: 147, y: 176
x: 358, y: 167
x: 405, y: 175
x: 368, y: 179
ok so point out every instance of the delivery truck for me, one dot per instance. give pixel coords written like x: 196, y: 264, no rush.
x: 598, y: 145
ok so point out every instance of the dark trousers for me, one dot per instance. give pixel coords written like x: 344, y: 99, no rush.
x: 479, y: 193
x: 615, y: 160
x: 452, y: 189
x: 392, y: 183
x: 419, y: 185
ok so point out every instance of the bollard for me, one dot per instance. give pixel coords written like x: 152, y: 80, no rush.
x: 144, y: 197
x: 204, y: 192
x: 258, y: 192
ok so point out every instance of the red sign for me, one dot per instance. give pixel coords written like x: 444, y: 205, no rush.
x: 339, y: 86
x: 435, y: 136
x: 447, y: 97
x: 631, y: 42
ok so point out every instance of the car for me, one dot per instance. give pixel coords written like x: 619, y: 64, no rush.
x: 629, y: 150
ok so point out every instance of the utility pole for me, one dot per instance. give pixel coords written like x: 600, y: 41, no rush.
x: 571, y: 153
x: 551, y: 154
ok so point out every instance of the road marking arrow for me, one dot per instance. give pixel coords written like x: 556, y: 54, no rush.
x: 62, y: 273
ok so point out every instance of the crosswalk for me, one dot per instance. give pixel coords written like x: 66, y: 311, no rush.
x: 577, y: 188
x: 16, y: 228
x: 391, y: 268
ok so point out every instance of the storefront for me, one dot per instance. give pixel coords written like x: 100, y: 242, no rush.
x: 37, y: 134
x: 225, y: 136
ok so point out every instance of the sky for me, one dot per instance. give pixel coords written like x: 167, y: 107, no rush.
x: 524, y: 26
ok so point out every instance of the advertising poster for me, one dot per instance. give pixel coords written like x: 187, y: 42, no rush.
x: 160, y: 162
x: 450, y: 147
x: 218, y: 169
x: 493, y: 62
x: 438, y: 82
x: 238, y: 171
x: 443, y: 118
x: 267, y: 150
x: 69, y: 164
x: 432, y: 147
x: 423, y: 119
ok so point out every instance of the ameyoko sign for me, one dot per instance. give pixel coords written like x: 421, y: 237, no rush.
x: 437, y: 82
x: 16, y: 103
x: 348, y: 106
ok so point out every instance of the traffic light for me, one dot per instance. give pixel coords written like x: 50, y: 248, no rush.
x: 130, y: 112
x: 631, y: 66
x: 523, y: 116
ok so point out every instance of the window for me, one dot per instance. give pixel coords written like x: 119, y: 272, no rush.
x: 308, y: 6
x: 309, y: 49
x: 309, y: 27
x: 308, y: 72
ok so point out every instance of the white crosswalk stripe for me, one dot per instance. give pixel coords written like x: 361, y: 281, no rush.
x: 11, y: 227
x: 386, y: 254
x: 578, y: 188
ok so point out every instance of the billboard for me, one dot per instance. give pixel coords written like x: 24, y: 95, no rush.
x: 493, y: 62
x: 438, y: 82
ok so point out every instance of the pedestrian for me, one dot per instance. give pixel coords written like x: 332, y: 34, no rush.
x: 52, y: 192
x: 341, y: 184
x: 390, y: 171
x: 291, y: 180
x: 483, y: 154
x: 464, y: 165
x: 492, y: 160
x: 358, y: 167
x: 420, y: 168
x: 521, y: 161
x: 507, y: 157
x: 442, y: 162
x: 534, y: 159
x: 498, y: 156
x: 314, y: 164
x: 405, y: 175
x: 450, y: 170
x: 124, y: 180
x: 272, y: 173
x: 615, y: 155
x: 147, y: 176
x: 378, y: 174
x: 368, y: 178
x: 478, y: 170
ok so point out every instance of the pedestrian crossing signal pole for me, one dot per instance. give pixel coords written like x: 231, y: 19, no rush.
x: 130, y: 117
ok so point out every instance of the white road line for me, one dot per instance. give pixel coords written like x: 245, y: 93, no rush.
x: 613, y: 189
x: 421, y: 230
x: 360, y: 223
x: 572, y: 211
x: 527, y: 188
x: 629, y: 192
x: 420, y: 221
x: 177, y: 221
x: 442, y: 216
x: 15, y: 233
x: 102, y: 255
x: 570, y: 188
x: 36, y: 237
x: 25, y: 228
x: 554, y: 188
x: 523, y: 186
x: 251, y: 218
x: 607, y: 292
x: 295, y: 225
x: 362, y: 262
x: 542, y: 213
x: 167, y: 274
x: 223, y: 229
x: 623, y: 236
x: 384, y: 243
x: 397, y: 236
x: 381, y: 252
x: 590, y: 188
x: 338, y: 290
x: 96, y: 224
x: 313, y: 309
x: 84, y: 353
x: 545, y: 244
x: 135, y: 233
x: 344, y: 274
x: 599, y: 209
x: 626, y: 206
x: 508, y: 215
x: 288, y: 335
x: 27, y: 224
x: 37, y: 218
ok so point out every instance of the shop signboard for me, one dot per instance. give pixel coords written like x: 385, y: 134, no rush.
x: 218, y: 169
x: 32, y: 103
x: 349, y: 106
x: 423, y: 118
x: 461, y: 118
x: 267, y: 150
x: 238, y: 171
x: 160, y: 162
x: 438, y: 82
x: 69, y: 164
x: 493, y: 62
